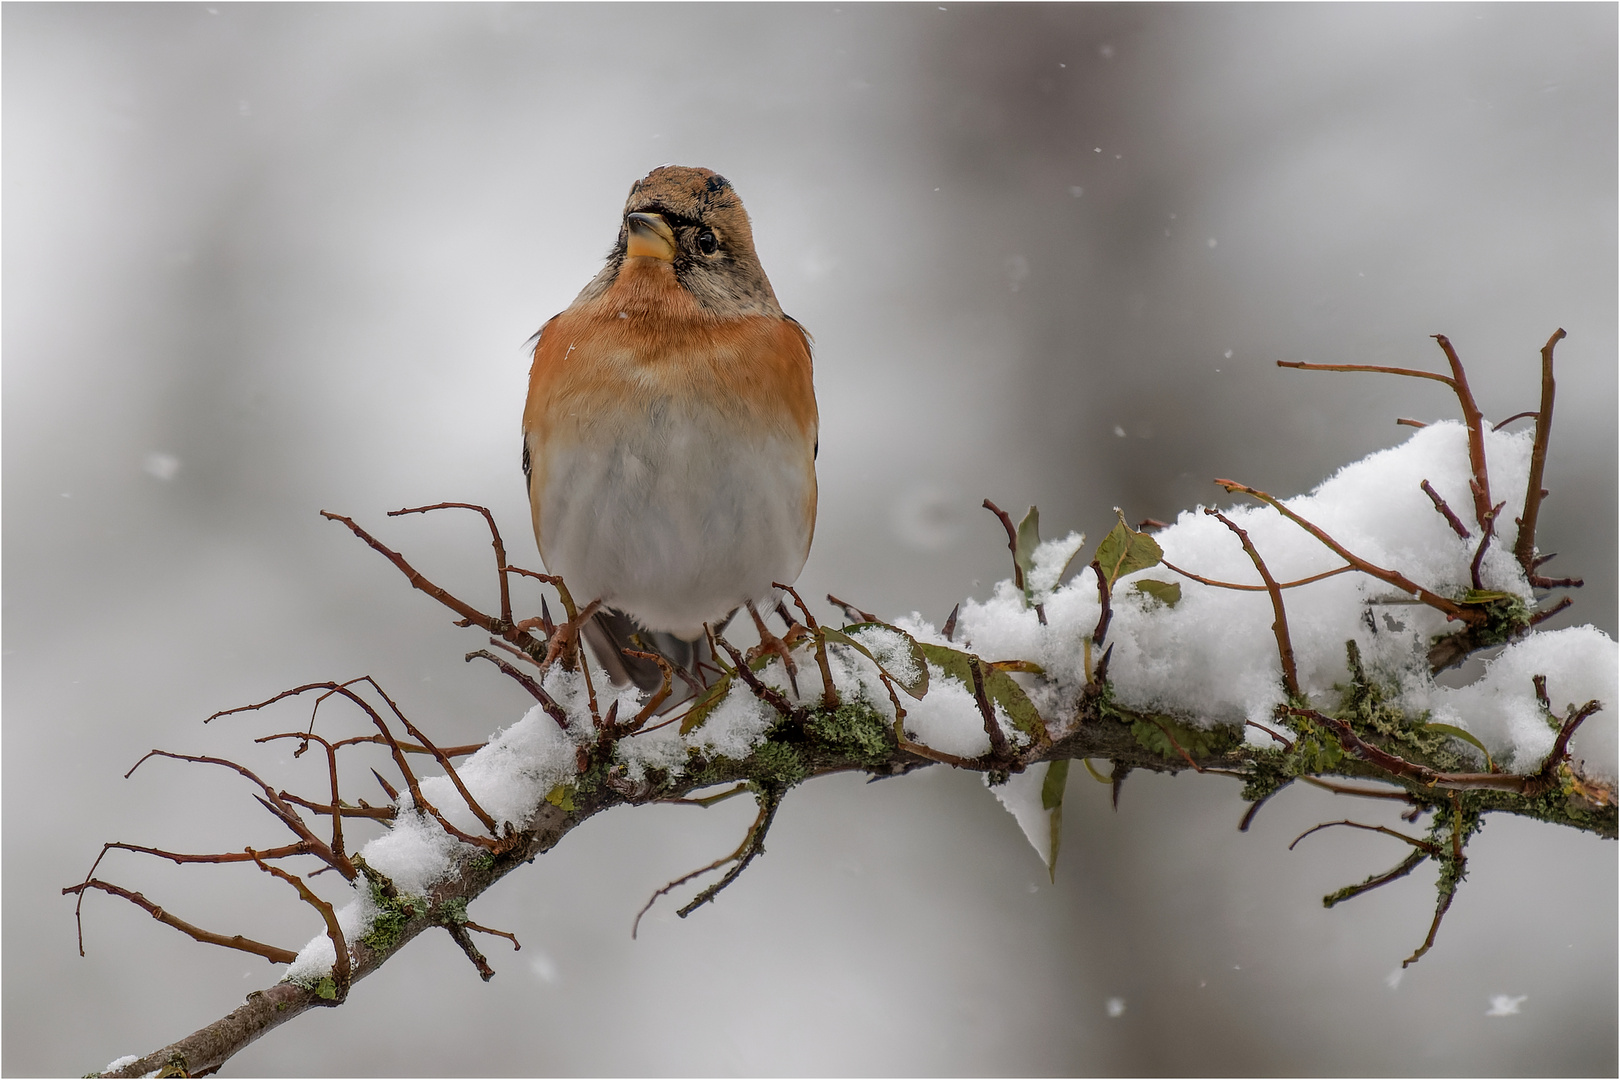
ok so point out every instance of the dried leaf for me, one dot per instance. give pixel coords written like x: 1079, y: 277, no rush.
x: 1028, y: 667
x: 1057, y: 778
x: 916, y: 686
x: 1029, y: 538
x: 997, y: 684
x: 705, y: 705
x: 1466, y: 736
x: 1167, y: 593
x: 1125, y: 551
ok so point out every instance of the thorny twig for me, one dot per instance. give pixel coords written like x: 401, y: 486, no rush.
x: 1279, y: 625
x: 1524, y: 548
x: 1422, y: 845
x: 1445, y: 511
x: 851, y: 612
x: 829, y: 693
x: 341, y: 967
x: 1484, y: 542
x: 1350, y: 892
x: 752, y: 845
x: 1012, y: 541
x: 495, y: 540
x: 1000, y: 749
x: 1336, y: 571
x: 271, y: 953
x: 1400, y: 581
x: 1458, y: 382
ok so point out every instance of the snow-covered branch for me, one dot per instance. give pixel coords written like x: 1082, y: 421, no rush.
x: 1163, y: 653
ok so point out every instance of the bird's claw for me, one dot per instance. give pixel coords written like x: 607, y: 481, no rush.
x: 770, y: 644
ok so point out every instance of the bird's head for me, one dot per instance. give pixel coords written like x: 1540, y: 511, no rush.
x: 689, y: 222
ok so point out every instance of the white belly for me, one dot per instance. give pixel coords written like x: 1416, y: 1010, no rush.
x: 674, y: 516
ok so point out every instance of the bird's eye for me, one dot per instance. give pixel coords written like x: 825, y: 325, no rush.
x: 707, y: 243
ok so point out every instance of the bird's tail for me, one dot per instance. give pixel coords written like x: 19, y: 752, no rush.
x: 610, y: 633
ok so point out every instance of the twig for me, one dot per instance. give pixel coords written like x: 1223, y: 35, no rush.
x: 1288, y: 743
x: 1442, y: 906
x: 753, y: 846
x: 511, y: 672
x: 495, y: 540
x: 661, y: 695
x: 1254, y: 807
x: 1484, y: 542
x: 766, y: 808
x: 829, y: 693
x: 375, y: 813
x: 236, y: 941
x: 1475, y: 422
x: 1458, y: 382
x: 458, y: 934
x: 1012, y: 541
x: 1395, y: 765
x: 1542, y: 616
x: 768, y: 694
x: 1524, y: 547
x: 538, y: 692
x: 851, y: 612
x: 1168, y: 565
x: 1350, y: 892
x: 440, y: 756
x: 273, y: 801
x: 1360, y: 792
x: 1499, y: 425
x: 305, y: 738
x: 1391, y: 577
x: 1105, y: 612
x: 507, y: 934
x: 1424, y: 846
x: 472, y: 615
x: 1279, y: 626
x: 1445, y: 511
x: 710, y: 800
x: 1000, y: 749
x: 341, y: 969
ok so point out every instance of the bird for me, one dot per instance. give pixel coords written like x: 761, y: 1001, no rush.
x: 670, y: 433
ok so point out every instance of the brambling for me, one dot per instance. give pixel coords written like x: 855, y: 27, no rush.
x: 669, y: 439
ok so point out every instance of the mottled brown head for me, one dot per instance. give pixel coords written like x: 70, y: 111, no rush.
x: 693, y: 219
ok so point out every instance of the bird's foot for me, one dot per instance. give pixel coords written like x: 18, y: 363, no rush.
x: 770, y: 644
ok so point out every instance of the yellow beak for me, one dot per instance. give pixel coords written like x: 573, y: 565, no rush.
x: 650, y: 237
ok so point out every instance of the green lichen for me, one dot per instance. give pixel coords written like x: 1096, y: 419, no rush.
x: 483, y: 861
x: 775, y: 765
x: 853, y: 730
x: 1505, y: 616
x: 394, y: 911
x: 453, y: 912
x: 326, y: 989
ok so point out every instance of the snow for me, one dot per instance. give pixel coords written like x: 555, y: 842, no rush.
x: 1506, y: 1004
x: 1210, y: 658
x: 1021, y: 795
x: 1580, y: 663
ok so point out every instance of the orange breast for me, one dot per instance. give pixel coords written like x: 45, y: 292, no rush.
x: 601, y: 365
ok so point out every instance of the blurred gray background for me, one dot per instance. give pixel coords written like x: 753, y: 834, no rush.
x: 261, y: 261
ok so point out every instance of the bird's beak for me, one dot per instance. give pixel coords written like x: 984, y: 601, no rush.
x: 650, y: 237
